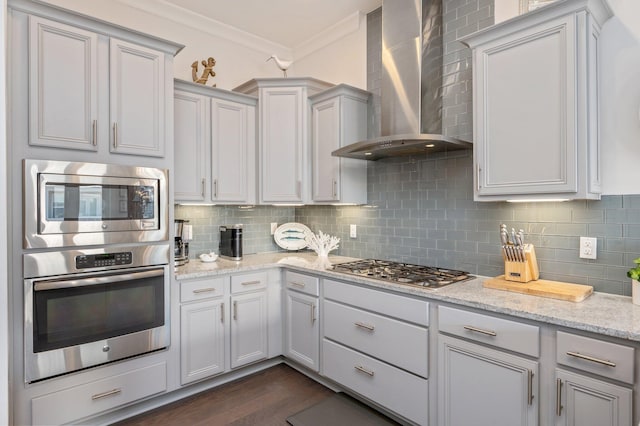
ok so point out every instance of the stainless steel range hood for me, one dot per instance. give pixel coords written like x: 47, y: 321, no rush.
x: 411, y: 87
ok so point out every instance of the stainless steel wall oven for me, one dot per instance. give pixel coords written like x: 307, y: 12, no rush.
x: 89, y: 307
x: 69, y: 204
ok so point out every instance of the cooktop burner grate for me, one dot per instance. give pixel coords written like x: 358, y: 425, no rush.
x: 402, y: 273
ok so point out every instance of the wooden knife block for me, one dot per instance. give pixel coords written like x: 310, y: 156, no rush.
x: 522, y: 272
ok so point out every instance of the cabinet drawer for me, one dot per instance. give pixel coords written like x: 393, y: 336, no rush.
x: 399, y: 343
x: 93, y: 398
x: 595, y: 356
x: 505, y: 334
x: 392, y: 388
x: 393, y: 305
x: 300, y: 282
x: 248, y: 282
x: 202, y: 289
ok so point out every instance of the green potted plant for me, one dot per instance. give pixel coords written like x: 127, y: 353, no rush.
x: 634, y: 274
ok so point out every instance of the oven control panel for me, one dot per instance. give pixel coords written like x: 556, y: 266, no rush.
x: 103, y: 259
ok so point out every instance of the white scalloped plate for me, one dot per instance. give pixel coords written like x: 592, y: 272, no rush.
x: 290, y: 236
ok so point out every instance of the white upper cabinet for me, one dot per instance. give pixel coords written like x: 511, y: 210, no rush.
x: 63, y: 85
x: 137, y: 99
x: 214, y: 145
x: 284, y: 143
x: 535, y: 100
x: 91, y: 86
x: 338, y: 118
x: 191, y: 135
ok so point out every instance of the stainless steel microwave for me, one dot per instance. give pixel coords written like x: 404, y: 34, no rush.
x: 68, y: 204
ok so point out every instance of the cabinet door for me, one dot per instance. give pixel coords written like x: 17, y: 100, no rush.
x: 282, y: 138
x: 137, y: 99
x: 232, y: 164
x: 325, y: 138
x: 190, y: 139
x: 248, y: 328
x: 201, y: 340
x: 525, y: 107
x: 482, y: 386
x: 63, y: 85
x: 583, y: 401
x: 302, y: 331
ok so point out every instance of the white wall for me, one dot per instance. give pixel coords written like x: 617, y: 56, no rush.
x: 239, y: 56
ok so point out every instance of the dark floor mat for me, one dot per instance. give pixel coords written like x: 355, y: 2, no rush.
x: 339, y: 410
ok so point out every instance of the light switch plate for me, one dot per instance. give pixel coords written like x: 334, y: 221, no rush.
x: 588, y: 248
x: 352, y: 231
x: 274, y: 226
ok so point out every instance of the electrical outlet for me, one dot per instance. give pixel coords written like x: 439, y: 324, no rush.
x: 352, y: 231
x: 588, y: 248
x: 274, y: 226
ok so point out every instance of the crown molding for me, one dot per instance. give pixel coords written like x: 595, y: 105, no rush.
x: 210, y: 26
x: 339, y: 30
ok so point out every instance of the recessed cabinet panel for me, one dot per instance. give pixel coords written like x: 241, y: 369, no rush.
x: 63, y: 85
x: 529, y: 113
x: 248, y: 328
x: 190, y: 139
x: 281, y: 151
x: 325, y: 139
x: 137, y: 90
x: 302, y: 329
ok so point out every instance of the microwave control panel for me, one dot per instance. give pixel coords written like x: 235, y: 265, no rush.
x: 103, y: 259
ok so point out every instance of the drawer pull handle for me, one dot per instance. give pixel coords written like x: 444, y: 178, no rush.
x: 106, y: 394
x: 592, y: 359
x: 530, y: 387
x: 297, y: 284
x: 251, y: 282
x: 481, y: 331
x: 365, y: 326
x: 364, y: 370
x: 204, y: 290
x: 558, y: 397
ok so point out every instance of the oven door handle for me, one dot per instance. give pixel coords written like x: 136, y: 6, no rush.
x: 106, y: 279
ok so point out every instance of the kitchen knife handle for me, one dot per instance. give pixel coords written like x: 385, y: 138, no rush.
x: 480, y: 330
x: 94, y: 136
x: 592, y: 359
x: 558, y: 397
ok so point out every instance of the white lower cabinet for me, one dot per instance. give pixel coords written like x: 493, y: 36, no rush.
x: 78, y: 402
x: 587, y: 401
x: 202, y: 328
x: 584, y: 401
x: 376, y: 344
x: 302, y: 335
x: 483, y: 386
x: 478, y: 382
x: 201, y: 340
x: 249, y: 319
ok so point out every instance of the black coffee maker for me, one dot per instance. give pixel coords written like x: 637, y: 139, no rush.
x: 231, y: 242
x: 182, y: 237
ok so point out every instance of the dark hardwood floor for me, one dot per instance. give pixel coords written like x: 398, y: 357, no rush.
x: 265, y: 398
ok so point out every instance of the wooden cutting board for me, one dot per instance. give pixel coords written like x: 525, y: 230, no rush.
x: 543, y: 288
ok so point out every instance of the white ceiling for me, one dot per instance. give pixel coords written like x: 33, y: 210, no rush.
x: 286, y: 22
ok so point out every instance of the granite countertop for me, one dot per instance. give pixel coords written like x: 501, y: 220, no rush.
x: 600, y: 313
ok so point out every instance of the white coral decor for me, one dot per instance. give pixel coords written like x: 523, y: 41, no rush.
x: 322, y: 243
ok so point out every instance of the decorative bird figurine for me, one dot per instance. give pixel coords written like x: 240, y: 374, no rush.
x: 283, y: 65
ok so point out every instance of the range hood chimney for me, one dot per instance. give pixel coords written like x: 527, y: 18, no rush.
x: 412, y: 84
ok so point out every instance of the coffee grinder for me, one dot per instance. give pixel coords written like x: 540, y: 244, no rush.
x: 182, y: 238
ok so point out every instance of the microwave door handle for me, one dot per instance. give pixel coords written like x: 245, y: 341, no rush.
x: 106, y: 279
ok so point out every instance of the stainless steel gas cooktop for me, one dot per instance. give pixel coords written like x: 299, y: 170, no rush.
x: 402, y: 273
